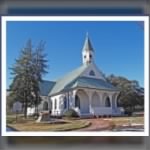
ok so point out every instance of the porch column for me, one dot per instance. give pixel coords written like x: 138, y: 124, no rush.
x: 114, y: 100
x: 90, y: 93
x: 73, y: 97
x: 111, y: 100
x: 103, y: 95
x: 100, y: 94
x: 53, y: 108
x: 116, y: 97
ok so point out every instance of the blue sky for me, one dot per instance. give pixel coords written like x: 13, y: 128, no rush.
x: 119, y: 46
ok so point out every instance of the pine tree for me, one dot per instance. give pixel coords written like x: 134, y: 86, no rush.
x: 27, y: 73
x: 40, y: 66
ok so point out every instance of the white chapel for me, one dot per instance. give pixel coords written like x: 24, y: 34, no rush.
x: 84, y: 89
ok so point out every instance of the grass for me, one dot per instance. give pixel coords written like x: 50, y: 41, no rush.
x: 119, y: 121
x: 29, y: 124
x: 124, y: 120
x: 11, y: 119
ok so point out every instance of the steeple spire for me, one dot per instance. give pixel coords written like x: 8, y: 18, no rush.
x: 87, y: 44
x: 87, y: 51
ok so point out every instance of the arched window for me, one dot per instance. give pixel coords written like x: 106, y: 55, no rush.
x: 55, y: 104
x: 45, y: 105
x: 90, y: 56
x: 107, y: 102
x: 65, y: 102
x: 77, y: 101
x: 92, y: 73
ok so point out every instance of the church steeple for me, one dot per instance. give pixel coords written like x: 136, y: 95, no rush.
x: 87, y: 51
x: 87, y: 44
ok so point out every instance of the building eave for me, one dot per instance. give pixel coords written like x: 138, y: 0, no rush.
x: 80, y: 87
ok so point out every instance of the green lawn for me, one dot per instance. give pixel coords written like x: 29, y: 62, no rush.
x: 11, y: 119
x: 120, y: 121
x: 29, y: 124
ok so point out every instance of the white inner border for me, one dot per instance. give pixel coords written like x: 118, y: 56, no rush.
x: 76, y: 18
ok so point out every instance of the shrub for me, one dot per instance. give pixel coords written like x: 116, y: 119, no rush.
x: 128, y: 111
x: 71, y: 113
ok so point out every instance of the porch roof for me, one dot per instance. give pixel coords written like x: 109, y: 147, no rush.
x: 95, y: 83
x: 86, y: 82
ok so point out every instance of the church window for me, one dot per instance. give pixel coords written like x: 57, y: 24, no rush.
x: 65, y: 102
x: 90, y: 56
x: 84, y: 56
x: 92, y: 73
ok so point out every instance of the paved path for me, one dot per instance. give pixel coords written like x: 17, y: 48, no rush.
x: 96, y: 125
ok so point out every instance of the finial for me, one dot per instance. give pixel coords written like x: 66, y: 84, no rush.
x: 87, y: 44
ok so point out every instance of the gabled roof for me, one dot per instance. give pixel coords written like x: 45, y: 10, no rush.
x: 62, y: 83
x: 87, y: 45
x: 46, y: 87
x: 74, y: 80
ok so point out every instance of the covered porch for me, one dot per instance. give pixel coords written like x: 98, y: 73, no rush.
x: 92, y: 102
